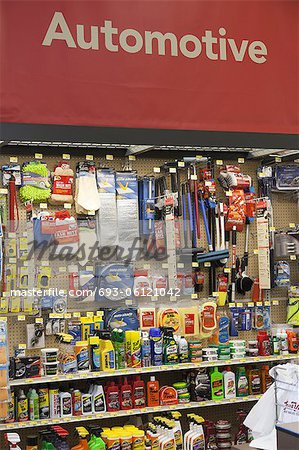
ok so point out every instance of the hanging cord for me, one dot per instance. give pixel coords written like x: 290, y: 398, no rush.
x: 13, y: 206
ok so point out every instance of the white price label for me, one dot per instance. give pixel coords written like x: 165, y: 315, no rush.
x: 67, y: 206
x: 38, y: 156
x: 219, y: 162
x: 157, y: 170
x: 109, y: 157
x: 66, y: 156
x: 241, y: 160
x: 89, y: 157
x: 181, y: 164
x: 172, y: 170
x: 194, y: 177
x: 43, y: 206
x: 132, y: 158
x: 13, y: 159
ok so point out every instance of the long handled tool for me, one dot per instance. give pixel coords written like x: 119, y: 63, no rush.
x: 211, y: 255
x: 234, y: 261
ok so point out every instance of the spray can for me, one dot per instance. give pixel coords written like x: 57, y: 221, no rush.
x: 44, y: 408
x: 77, y: 403
x: 145, y: 350
x: 11, y: 417
x: 22, y: 407
x: 156, y: 339
x: 54, y: 403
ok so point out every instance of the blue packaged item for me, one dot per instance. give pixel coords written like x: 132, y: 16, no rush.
x: 248, y: 319
x: 123, y: 318
x: 282, y: 274
x: 156, y: 338
x: 146, y: 357
x: 234, y: 321
x: 267, y: 317
x: 114, y: 282
x: 242, y: 319
x: 223, y: 335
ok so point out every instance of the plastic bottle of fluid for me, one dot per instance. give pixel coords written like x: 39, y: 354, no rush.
x: 229, y: 383
x: 98, y: 399
x: 156, y: 339
x: 183, y: 349
x: 107, y: 353
x: 118, y: 340
x: 33, y: 405
x: 83, y: 443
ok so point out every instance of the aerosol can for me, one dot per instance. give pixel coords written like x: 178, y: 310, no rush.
x: 12, y: 439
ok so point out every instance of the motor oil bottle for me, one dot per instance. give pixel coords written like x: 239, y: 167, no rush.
x: 22, y: 407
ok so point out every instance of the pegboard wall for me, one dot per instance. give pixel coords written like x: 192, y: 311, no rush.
x: 285, y: 211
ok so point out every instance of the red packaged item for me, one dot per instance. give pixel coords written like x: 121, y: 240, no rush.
x: 236, y: 213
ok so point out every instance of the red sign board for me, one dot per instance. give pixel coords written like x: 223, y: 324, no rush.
x: 193, y: 65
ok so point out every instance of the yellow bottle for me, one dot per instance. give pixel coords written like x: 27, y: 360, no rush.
x: 113, y: 442
x: 107, y: 353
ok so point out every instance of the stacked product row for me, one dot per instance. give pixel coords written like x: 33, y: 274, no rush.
x: 132, y: 393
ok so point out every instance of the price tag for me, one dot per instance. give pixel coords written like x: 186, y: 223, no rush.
x: 164, y: 266
x: 241, y: 160
x: 208, y: 183
x: 43, y: 206
x: 267, y: 303
x: 173, y: 298
x: 278, y: 159
x: 129, y: 302
x: 272, y: 228
x: 99, y: 313
x: 4, y: 319
x: 146, y: 266
x: 67, y: 315
x: 66, y: 156
x: 194, y: 177
x: 292, y: 225
x: 132, y: 158
x: 67, y: 206
x: 275, y: 302
x: 56, y: 316
x: 293, y: 288
x: 207, y: 264
x: 109, y: 157
x: 12, y: 260
x: 215, y: 294
x: 181, y: 164
x: 250, y: 304
x: 229, y: 193
x: 296, y: 161
x: 3, y: 191
x: 21, y: 318
x: 38, y: 156
x: 89, y: 314
x: 22, y: 346
x: 198, y: 157
x: 62, y: 269
x: 13, y: 159
x: 180, y: 265
x: 5, y: 294
x: 195, y: 264
x: 154, y: 298
x: 39, y: 320
x: 239, y: 305
x: 89, y: 157
x: 227, y: 270
x: 293, y: 257
x: 256, y: 251
x: 232, y: 305
x: 259, y: 303
x: 261, y: 174
x: 172, y: 170
x: 157, y: 170
x: 219, y: 162
x: 194, y: 296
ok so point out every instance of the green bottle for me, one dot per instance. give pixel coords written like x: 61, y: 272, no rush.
x: 170, y: 347
x: 33, y: 400
x: 217, y: 384
x: 242, y: 382
x: 97, y: 443
x: 118, y: 341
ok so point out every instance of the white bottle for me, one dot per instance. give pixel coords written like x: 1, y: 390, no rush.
x: 65, y: 399
x: 284, y: 348
x: 86, y: 404
x: 186, y: 435
x: 183, y: 349
x: 197, y: 440
x: 229, y: 383
x: 98, y: 399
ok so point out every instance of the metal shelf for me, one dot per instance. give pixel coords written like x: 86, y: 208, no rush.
x: 130, y: 412
x: 148, y: 370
